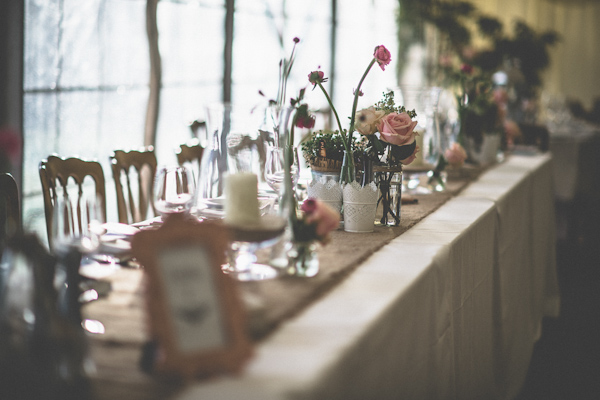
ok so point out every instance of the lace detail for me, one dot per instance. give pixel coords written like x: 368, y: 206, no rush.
x: 360, y: 205
x: 328, y: 191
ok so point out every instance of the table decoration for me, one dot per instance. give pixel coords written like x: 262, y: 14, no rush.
x: 391, y: 143
x: 248, y: 228
x: 382, y: 57
x: 323, y: 151
x: 316, y: 218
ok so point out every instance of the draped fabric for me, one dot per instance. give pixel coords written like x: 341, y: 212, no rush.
x: 451, y: 309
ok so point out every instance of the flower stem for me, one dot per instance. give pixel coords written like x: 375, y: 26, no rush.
x: 355, y: 104
x: 337, y: 118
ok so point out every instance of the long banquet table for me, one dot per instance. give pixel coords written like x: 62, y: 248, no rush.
x: 450, y: 309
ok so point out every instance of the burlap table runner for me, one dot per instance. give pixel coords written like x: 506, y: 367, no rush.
x: 272, y: 302
x: 117, y: 352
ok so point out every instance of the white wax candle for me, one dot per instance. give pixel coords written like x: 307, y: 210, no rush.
x: 241, y: 199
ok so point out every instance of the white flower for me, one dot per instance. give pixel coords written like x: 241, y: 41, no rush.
x: 367, y: 120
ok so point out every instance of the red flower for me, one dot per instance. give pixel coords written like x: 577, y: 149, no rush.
x: 10, y: 143
x: 316, y: 77
x: 303, y: 117
x: 383, y: 56
x: 467, y: 69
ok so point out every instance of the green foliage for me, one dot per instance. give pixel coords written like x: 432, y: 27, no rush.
x: 332, y: 142
x: 388, y: 105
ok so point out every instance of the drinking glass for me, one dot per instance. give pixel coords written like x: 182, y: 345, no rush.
x: 247, y: 240
x: 274, y: 168
x: 173, y: 190
x: 79, y: 230
x: 232, y: 134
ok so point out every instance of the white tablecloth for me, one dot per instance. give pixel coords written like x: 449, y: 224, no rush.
x: 449, y: 310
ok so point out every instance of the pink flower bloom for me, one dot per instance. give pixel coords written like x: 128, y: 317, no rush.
x: 455, y: 155
x: 316, y: 77
x: 383, y: 56
x: 467, y: 69
x: 306, y: 121
x: 397, y: 129
x: 319, y: 213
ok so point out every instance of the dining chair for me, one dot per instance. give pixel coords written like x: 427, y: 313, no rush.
x: 134, y: 200
x: 10, y: 212
x: 190, y: 154
x: 56, y: 175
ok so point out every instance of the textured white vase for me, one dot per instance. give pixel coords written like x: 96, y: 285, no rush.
x: 328, y: 191
x: 360, y: 205
x: 487, y: 153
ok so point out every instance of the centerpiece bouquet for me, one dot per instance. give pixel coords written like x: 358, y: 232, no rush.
x: 391, y: 143
x: 382, y: 57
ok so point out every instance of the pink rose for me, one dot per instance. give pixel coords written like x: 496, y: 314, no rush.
x: 455, y: 155
x: 397, y: 129
x: 319, y: 213
x: 383, y: 56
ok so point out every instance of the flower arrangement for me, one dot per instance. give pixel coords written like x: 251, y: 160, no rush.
x: 395, y: 143
x: 324, y: 150
x: 315, y: 221
x: 382, y: 57
x: 479, y: 110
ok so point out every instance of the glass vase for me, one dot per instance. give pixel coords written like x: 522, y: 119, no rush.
x: 303, y: 260
x: 348, y: 171
x: 389, y: 181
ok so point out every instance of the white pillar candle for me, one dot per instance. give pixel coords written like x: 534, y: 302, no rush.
x: 241, y: 199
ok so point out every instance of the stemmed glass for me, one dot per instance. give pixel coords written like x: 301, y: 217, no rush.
x: 75, y: 236
x: 79, y: 231
x: 173, y: 190
x: 248, y: 239
x: 274, y: 168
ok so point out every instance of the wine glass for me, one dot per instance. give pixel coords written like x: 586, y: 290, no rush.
x: 79, y: 230
x: 251, y: 227
x: 173, y: 190
x: 274, y: 170
x: 76, y: 235
x: 232, y: 132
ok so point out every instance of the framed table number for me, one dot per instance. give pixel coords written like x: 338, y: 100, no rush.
x: 194, y: 311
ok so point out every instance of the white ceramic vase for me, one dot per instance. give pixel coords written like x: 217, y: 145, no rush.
x: 360, y: 206
x: 487, y: 152
x: 328, y: 191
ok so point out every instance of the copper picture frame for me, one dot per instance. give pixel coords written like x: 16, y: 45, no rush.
x: 194, y: 310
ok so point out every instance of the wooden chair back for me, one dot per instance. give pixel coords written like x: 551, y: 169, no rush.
x: 56, y: 175
x: 133, y: 173
x: 190, y: 154
x: 10, y: 211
